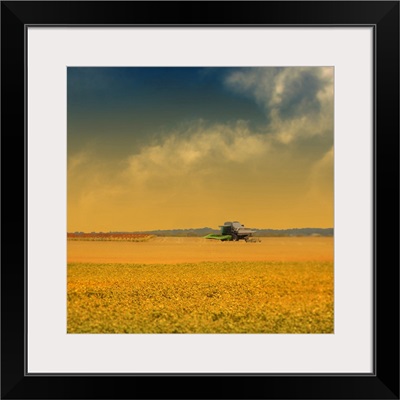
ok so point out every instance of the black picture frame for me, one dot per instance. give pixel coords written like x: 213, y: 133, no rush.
x: 383, y: 383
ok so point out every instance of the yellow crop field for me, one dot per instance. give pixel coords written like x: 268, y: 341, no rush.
x: 269, y: 296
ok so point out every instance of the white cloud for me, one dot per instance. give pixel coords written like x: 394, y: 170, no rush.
x: 297, y: 101
x: 198, y: 152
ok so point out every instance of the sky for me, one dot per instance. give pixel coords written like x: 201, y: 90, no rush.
x: 185, y: 147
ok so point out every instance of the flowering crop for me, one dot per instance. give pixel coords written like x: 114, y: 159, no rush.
x: 204, y: 297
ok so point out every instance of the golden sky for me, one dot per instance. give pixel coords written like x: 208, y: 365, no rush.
x: 176, y: 148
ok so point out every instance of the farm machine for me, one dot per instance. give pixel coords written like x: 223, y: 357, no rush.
x: 233, y: 231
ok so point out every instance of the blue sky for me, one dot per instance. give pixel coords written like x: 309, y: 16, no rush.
x: 136, y: 104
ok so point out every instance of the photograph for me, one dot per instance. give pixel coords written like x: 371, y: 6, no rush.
x: 200, y: 200
x: 210, y: 200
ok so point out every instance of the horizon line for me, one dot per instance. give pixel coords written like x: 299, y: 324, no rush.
x: 205, y: 227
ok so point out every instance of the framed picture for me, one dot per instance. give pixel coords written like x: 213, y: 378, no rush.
x: 210, y: 200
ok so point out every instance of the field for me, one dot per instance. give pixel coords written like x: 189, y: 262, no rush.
x: 194, y: 285
x: 120, y: 237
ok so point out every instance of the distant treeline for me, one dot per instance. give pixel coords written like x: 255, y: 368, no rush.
x: 200, y: 232
x: 295, y: 232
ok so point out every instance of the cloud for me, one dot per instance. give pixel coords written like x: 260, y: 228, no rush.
x: 171, y: 169
x: 76, y: 161
x: 321, y: 178
x: 91, y: 180
x: 223, y: 166
x: 198, y: 151
x: 298, y: 102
